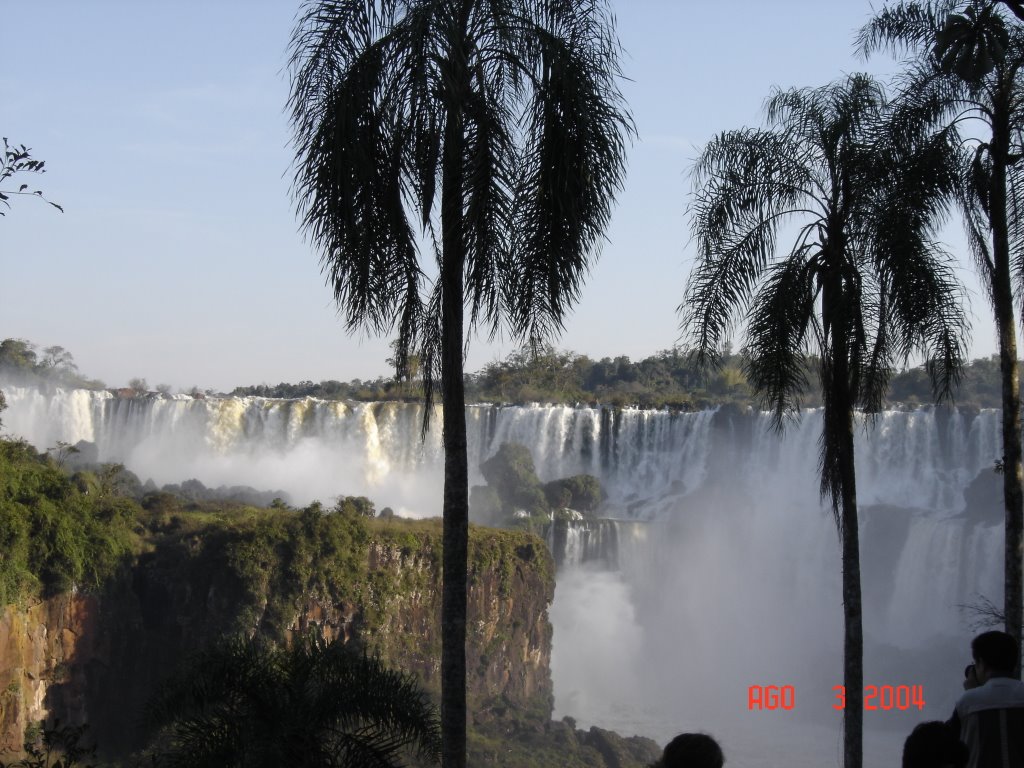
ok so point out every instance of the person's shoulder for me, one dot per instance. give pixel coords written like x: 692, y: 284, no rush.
x: 1004, y: 684
x: 996, y: 693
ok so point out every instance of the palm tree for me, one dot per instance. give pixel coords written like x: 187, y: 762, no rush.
x: 506, y: 116
x: 968, y: 67
x: 861, y: 286
x: 318, y: 704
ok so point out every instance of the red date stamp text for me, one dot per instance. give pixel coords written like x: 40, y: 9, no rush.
x: 876, y: 697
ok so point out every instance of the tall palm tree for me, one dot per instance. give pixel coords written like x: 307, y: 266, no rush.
x: 318, y: 704
x: 860, y: 286
x: 506, y: 116
x: 968, y: 67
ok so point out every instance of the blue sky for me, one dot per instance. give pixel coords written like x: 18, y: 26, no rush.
x: 178, y: 257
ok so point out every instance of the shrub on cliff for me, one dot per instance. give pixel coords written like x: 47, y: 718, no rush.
x: 360, y: 506
x: 313, y: 705
x: 52, y: 535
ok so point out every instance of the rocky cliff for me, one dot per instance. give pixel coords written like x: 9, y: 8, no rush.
x: 96, y: 657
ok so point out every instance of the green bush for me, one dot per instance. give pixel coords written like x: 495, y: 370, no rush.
x: 54, y: 535
x: 580, y: 492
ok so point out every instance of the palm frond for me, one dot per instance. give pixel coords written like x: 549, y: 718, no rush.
x: 542, y: 128
x: 1015, y: 221
x: 903, y: 27
x: 317, y: 703
x: 572, y: 166
x: 747, y: 184
x: 779, y: 320
x: 864, y: 284
x: 489, y: 183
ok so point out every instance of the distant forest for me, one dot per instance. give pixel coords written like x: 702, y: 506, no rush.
x: 667, y: 379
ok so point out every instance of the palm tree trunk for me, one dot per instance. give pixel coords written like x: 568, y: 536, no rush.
x: 839, y: 432
x: 1002, y: 290
x: 455, y: 536
x: 853, y: 637
x: 840, y: 470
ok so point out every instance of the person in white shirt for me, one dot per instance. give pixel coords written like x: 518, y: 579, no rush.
x: 989, y: 719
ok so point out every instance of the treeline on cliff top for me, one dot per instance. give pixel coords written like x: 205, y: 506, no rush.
x: 669, y: 378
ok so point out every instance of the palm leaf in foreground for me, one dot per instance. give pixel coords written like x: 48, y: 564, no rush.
x: 316, y: 704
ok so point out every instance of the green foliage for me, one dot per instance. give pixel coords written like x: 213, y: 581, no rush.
x: 19, y: 360
x: 318, y: 704
x: 54, y: 535
x: 262, y: 561
x: 667, y: 379
x: 580, y: 492
x: 17, y: 354
x: 360, y: 506
x: 357, y: 389
x: 55, y: 746
x: 535, y: 374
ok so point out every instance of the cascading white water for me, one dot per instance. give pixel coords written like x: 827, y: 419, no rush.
x: 725, y: 570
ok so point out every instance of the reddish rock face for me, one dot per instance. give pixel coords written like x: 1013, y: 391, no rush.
x: 83, y: 658
x: 41, y: 647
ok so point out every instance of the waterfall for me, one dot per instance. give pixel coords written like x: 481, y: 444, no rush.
x: 907, y: 458
x: 716, y: 563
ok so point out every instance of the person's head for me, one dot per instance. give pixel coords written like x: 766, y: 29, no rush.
x: 934, y: 745
x: 995, y: 654
x: 970, y: 677
x: 692, y: 750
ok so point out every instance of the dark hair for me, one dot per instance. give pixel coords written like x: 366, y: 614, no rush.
x: 997, y: 649
x: 692, y: 750
x: 933, y: 745
x: 968, y: 669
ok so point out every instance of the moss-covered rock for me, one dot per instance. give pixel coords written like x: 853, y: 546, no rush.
x: 512, y: 474
x: 515, y: 498
x: 580, y: 492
